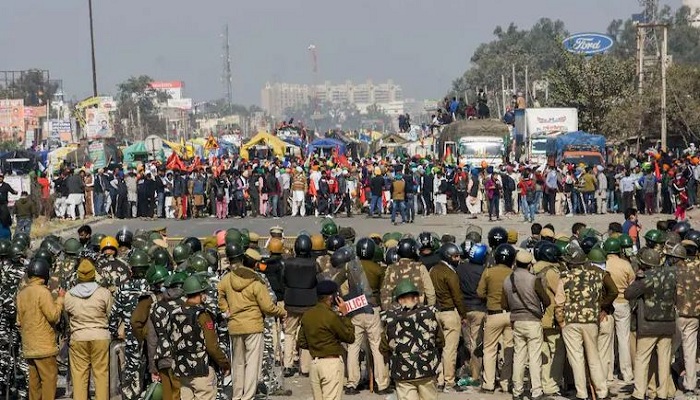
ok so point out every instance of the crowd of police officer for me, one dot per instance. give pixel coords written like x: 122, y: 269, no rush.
x: 422, y: 314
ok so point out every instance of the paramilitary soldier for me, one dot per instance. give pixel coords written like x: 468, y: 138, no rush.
x: 323, y: 333
x: 114, y: 271
x: 125, y: 300
x: 195, y: 344
x: 409, y: 268
x: 412, y: 343
x: 299, y: 296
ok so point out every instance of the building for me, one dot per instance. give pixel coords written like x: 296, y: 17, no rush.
x: 276, y: 98
x: 694, y: 6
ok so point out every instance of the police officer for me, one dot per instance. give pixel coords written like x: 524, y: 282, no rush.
x: 579, y: 301
x: 181, y: 253
x: 497, y: 325
x: 13, y: 270
x: 155, y: 276
x: 451, y: 311
x: 161, y: 349
x: 654, y: 292
x: 412, y: 342
x: 547, y: 267
x: 469, y: 273
x: 65, y: 267
x: 195, y: 345
x: 323, y: 333
x: 113, y: 270
x: 407, y: 267
x: 37, y: 313
x: 428, y: 254
x: 124, y: 238
x: 126, y: 297
x: 299, y: 296
x: 368, y: 324
x: 688, y: 306
x: 323, y: 263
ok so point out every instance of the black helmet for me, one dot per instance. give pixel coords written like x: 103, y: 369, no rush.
x: 212, y: 257
x: 45, y: 255
x: 139, y: 259
x: 694, y: 236
x: 194, y: 244
x: 53, y: 246
x: 334, y: 242
x: 448, y: 251
x: 302, y: 246
x: 391, y: 256
x: 95, y: 241
x: 40, y: 268
x: 234, y: 250
x: 24, y: 237
x: 504, y: 254
x: 549, y: 252
x: 124, y: 237
x: 407, y: 248
x: 425, y: 241
x: 682, y: 228
x: 17, y: 251
x: 497, y: 237
x: 365, y: 249
x: 588, y: 243
x: 342, y: 256
x: 5, y: 248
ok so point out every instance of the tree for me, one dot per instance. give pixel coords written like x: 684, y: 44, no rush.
x: 33, y: 86
x: 138, y: 100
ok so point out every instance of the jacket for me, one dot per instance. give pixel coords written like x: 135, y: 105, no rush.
x: 75, y: 184
x: 687, y: 288
x: 398, y: 190
x: 323, y: 331
x: 491, y: 286
x: 37, y: 314
x: 447, y: 290
x: 376, y: 185
x: 244, y: 297
x: 469, y: 277
x: 88, y: 306
x: 524, y: 296
x: 25, y: 208
x: 654, y: 297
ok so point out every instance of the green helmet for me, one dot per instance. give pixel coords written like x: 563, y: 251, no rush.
x: 212, y: 257
x: 5, y: 248
x: 160, y: 256
x: 23, y: 236
x: 95, y: 240
x: 44, y: 254
x: 154, y: 236
x: 386, y: 237
x: 140, y: 241
x: 574, y: 254
x: 596, y: 255
x: 177, y: 278
x: 654, y: 237
x: 625, y: 241
x: 245, y: 239
x: 193, y: 285
x: 233, y: 250
x: 611, y: 246
x: 197, y: 263
x: 396, y: 236
x: 405, y: 287
x: 72, y: 247
x: 649, y: 258
x: 139, y: 259
x: 156, y: 274
x: 588, y: 232
x: 561, y: 244
x: 154, y: 391
x: 328, y: 228
x: 181, y: 252
x: 233, y: 235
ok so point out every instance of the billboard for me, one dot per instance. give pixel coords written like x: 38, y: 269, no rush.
x: 182, y: 104
x: 97, y: 123
x: 548, y: 120
x: 173, y: 88
x: 588, y: 43
x: 11, y: 116
x: 60, y: 129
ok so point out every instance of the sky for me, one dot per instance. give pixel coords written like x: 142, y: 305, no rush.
x: 422, y: 45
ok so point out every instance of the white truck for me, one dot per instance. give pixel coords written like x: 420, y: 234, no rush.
x: 534, y: 125
x: 474, y: 141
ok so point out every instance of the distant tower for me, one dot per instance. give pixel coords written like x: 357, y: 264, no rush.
x: 226, y: 78
x: 694, y: 6
x: 651, y: 14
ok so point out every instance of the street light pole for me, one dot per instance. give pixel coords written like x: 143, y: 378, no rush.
x: 92, y: 48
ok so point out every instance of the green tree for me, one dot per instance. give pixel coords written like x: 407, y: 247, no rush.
x: 137, y: 99
x: 32, y: 86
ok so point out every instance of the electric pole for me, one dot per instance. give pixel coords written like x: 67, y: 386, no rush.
x: 92, y: 48
x: 226, y: 77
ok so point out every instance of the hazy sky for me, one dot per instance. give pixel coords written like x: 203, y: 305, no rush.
x: 423, y: 45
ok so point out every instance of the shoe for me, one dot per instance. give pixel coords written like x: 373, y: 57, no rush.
x: 304, y: 374
x: 627, y: 389
x: 351, y: 391
x: 486, y: 391
x: 441, y: 388
x: 281, y: 392
x: 384, y: 392
x: 289, y: 372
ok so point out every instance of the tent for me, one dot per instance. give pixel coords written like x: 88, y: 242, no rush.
x: 135, y: 152
x: 264, y: 140
x: 327, y: 145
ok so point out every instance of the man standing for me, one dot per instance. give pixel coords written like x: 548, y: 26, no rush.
x: 376, y: 186
x: 25, y: 211
x: 76, y: 195
x: 688, y: 306
x: 412, y: 341
x: 497, y: 324
x: 579, y: 300
x: 451, y: 311
x: 323, y: 333
x: 469, y: 277
x: 37, y: 313
x: 407, y: 267
x: 299, y: 187
x: 398, y: 198
x: 196, y: 347
x: 243, y: 299
x: 601, y: 193
x: 88, y: 306
x: 525, y: 298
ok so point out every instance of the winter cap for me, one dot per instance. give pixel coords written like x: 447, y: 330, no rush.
x: 86, y: 271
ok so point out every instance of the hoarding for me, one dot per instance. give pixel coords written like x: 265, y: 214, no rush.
x: 97, y: 123
x: 61, y: 129
x: 548, y: 120
x: 173, y: 88
x: 12, y: 116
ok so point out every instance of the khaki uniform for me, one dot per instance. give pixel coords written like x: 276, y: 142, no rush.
x: 497, y: 327
x: 322, y: 332
x: 413, y: 271
x: 622, y: 274
x: 552, y: 345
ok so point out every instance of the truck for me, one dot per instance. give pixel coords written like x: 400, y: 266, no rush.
x: 533, y: 126
x: 472, y: 142
x: 576, y: 148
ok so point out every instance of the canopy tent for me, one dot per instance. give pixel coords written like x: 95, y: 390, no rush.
x: 135, y: 152
x: 264, y: 139
x: 328, y: 145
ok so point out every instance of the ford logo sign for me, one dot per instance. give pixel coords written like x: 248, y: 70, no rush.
x: 588, y: 43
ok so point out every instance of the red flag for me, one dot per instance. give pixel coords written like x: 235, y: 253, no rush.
x: 657, y: 170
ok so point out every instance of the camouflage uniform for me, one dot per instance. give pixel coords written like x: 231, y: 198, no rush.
x: 688, y: 306
x: 412, y: 343
x: 212, y: 306
x: 160, y: 317
x: 268, y: 374
x: 125, y: 300
x: 11, y: 274
x: 64, y: 273
x: 189, y: 350
x: 578, y: 306
x: 114, y: 272
x: 413, y: 271
x: 89, y: 253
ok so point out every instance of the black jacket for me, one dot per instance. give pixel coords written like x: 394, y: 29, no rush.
x: 376, y: 185
x: 469, y: 277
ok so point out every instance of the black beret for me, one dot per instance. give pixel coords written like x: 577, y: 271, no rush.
x: 326, y: 288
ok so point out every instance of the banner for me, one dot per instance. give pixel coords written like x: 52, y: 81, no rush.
x: 60, y: 129
x: 97, y: 123
x: 11, y: 116
x: 96, y: 151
